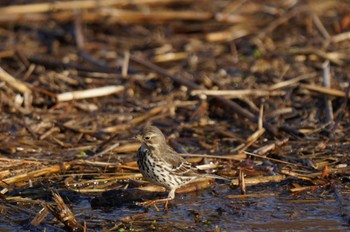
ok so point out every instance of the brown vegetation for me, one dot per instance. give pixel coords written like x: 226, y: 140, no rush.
x: 256, y: 91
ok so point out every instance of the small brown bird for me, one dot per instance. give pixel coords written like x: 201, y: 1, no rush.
x: 161, y: 165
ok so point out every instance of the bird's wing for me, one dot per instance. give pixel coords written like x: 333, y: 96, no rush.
x: 178, y: 165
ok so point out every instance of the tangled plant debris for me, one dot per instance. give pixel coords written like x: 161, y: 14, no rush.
x: 256, y: 91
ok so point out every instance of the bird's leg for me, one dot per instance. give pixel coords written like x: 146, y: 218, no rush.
x: 170, y: 197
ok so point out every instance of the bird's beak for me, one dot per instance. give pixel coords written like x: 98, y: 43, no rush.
x: 137, y: 137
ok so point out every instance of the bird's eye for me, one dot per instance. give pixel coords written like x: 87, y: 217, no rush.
x: 147, y: 138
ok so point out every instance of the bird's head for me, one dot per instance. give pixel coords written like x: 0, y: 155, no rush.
x: 151, y: 136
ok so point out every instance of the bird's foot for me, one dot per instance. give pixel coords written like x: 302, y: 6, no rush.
x: 154, y: 203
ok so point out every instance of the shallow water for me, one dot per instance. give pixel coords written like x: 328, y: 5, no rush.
x: 204, y: 211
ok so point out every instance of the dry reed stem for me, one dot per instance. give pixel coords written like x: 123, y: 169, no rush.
x: 13, y: 82
x: 260, y: 180
x: 238, y: 93
x: 303, y: 201
x: 64, y: 214
x: 287, y: 83
x: 40, y: 216
x: 241, y: 182
x: 343, y: 170
x: 334, y: 57
x: 237, y: 157
x: 199, y: 184
x: 33, y: 174
x: 76, y: 5
x: 327, y: 84
x: 89, y: 93
x: 324, y: 90
x: 257, y: 195
x: 168, y: 57
x: 341, y: 37
x: 275, y: 160
x: 25, y: 200
x: 111, y: 16
x: 196, y: 185
x: 265, y: 149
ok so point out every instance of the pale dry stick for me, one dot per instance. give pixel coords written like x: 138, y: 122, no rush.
x: 264, y: 149
x: 171, y: 56
x: 278, y: 112
x: 33, y: 174
x: 230, y: 18
x: 341, y: 37
x: 238, y: 93
x: 29, y: 71
x: 308, y: 200
x: 19, y: 161
x: 293, y: 81
x: 74, y: 5
x: 315, y: 130
x: 130, y: 147
x: 224, y: 157
x: 201, y: 183
x: 260, y: 180
x: 79, y: 37
x: 234, y: 32
x: 96, y: 92
x: 208, y: 166
x: 252, y: 195
x: 49, y: 132
x: 323, y: 90
x: 275, y: 160
x: 345, y: 170
x: 26, y: 200
x: 305, y: 188
x: 13, y: 82
x: 40, y: 216
x: 334, y: 57
x: 101, y: 153
x: 321, y: 27
x: 11, y: 171
x: 241, y: 182
x: 132, y: 16
x: 80, y: 148
x: 257, y: 134
x: 3, y: 191
x: 327, y: 84
x: 96, y: 163
x: 100, y: 184
x: 113, y: 16
x: 125, y: 66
